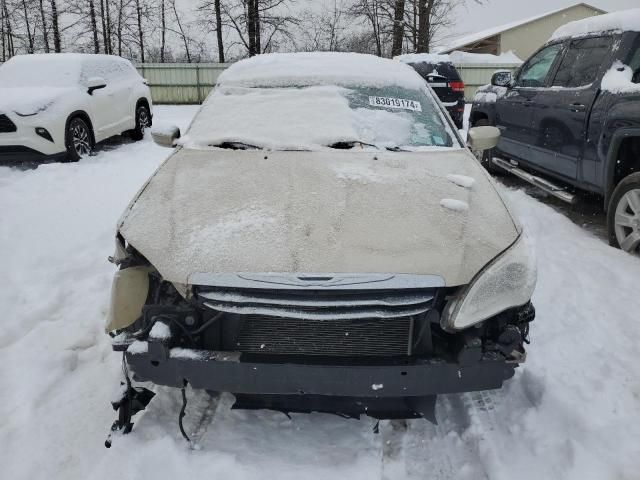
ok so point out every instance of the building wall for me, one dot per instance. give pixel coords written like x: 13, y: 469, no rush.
x: 526, y: 39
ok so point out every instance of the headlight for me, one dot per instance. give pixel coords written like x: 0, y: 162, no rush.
x: 31, y: 111
x: 508, y: 281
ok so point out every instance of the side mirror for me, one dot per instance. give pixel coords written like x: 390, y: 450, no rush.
x: 502, y: 78
x: 165, y: 136
x: 483, y: 138
x: 95, y: 83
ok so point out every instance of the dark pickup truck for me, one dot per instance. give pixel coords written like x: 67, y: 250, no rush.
x: 570, y: 120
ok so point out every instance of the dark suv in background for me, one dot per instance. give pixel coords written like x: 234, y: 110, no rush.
x: 570, y: 117
x: 445, y: 80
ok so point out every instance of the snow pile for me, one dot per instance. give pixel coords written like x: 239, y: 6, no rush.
x: 618, y: 79
x: 319, y: 68
x: 160, y: 331
x: 455, y: 205
x: 622, y: 21
x: 423, y: 58
x: 461, y: 180
x: 489, y: 94
x: 138, y: 347
x: 277, y: 119
x: 459, y: 57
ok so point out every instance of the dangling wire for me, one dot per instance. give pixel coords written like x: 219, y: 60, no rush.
x: 182, y: 413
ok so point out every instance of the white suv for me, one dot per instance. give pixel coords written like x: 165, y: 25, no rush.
x: 58, y: 106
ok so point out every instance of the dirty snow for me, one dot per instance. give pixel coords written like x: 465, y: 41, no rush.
x: 455, y: 205
x: 461, y: 180
x: 570, y: 412
x: 618, y: 79
x: 319, y: 68
x: 620, y: 21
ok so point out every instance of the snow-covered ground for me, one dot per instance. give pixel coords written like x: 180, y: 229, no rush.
x: 571, y: 412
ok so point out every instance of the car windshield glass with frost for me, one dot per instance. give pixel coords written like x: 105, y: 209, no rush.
x: 316, y: 117
x: 39, y: 72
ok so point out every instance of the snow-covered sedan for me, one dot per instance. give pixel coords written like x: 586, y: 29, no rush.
x: 56, y: 107
x: 321, y: 239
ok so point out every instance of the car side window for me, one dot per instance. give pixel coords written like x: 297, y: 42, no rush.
x: 535, y: 72
x: 634, y: 60
x: 581, y: 63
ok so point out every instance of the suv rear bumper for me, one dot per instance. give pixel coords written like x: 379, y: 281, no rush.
x: 225, y: 372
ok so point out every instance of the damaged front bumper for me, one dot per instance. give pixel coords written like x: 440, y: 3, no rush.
x: 349, y: 389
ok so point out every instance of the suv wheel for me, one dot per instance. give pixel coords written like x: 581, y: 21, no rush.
x: 485, y: 157
x: 143, y: 121
x: 78, y: 139
x: 623, y: 216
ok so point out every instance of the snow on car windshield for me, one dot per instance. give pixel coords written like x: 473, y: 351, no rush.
x: 316, y: 117
x: 45, y: 70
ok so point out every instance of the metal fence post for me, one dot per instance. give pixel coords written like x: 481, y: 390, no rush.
x: 198, y: 82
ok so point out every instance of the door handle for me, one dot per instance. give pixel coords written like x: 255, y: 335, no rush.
x: 577, y: 107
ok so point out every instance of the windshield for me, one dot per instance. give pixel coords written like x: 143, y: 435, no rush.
x: 315, y: 117
x: 27, y: 71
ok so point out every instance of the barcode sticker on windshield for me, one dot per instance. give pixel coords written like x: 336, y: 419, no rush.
x: 391, y: 102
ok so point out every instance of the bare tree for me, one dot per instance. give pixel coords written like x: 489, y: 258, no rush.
x: 57, y: 44
x: 140, y: 35
x: 398, y: 28
x: 163, y: 30
x: 181, y: 31
x: 45, y: 33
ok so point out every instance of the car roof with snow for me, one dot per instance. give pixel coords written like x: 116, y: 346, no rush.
x: 616, y: 22
x: 319, y: 68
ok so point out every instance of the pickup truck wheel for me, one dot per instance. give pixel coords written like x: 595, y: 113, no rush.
x: 485, y: 157
x: 623, y: 216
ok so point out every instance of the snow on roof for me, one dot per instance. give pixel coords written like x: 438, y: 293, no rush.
x: 625, y: 20
x: 319, y: 68
x: 467, y: 57
x: 423, y: 58
x: 490, y: 32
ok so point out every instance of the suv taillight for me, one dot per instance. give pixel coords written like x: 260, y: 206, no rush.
x: 457, y: 86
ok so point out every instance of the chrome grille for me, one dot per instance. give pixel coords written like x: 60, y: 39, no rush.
x: 318, y: 304
x: 6, y: 125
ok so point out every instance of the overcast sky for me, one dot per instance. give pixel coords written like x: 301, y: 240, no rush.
x: 474, y: 17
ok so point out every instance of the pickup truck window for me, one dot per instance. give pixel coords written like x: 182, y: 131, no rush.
x: 581, y: 63
x: 536, y: 70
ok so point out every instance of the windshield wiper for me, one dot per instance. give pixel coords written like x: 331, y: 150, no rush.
x: 350, y: 145
x: 236, y: 146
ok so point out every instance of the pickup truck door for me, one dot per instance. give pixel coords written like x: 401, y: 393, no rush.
x: 561, y: 110
x: 514, y: 116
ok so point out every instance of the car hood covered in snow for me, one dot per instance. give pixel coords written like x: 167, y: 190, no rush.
x: 30, y: 100
x: 223, y: 211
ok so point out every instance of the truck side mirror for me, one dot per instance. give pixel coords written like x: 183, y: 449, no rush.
x: 483, y: 138
x: 502, y: 78
x: 165, y: 136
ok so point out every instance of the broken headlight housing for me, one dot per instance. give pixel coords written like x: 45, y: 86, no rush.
x: 507, y: 282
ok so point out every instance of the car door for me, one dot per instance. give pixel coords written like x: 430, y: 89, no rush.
x: 103, y: 103
x: 561, y: 111
x: 514, y: 116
